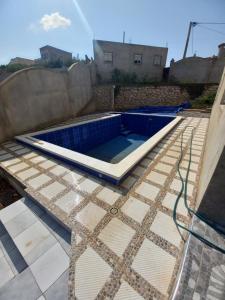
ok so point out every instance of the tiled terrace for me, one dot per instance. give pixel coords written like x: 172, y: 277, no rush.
x: 134, y: 251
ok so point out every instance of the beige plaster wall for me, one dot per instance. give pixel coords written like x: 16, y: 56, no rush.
x: 33, y: 98
x: 215, y: 140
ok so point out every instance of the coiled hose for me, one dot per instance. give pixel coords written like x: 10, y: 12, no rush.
x: 184, y: 183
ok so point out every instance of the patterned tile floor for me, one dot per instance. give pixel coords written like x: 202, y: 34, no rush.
x: 133, y: 251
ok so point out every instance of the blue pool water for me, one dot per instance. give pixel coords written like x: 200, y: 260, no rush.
x: 110, y: 139
x: 118, y: 148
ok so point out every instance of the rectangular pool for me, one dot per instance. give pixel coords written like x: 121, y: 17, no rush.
x: 107, y: 147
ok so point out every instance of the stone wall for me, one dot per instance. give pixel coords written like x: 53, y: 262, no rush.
x: 34, y: 98
x: 131, y: 97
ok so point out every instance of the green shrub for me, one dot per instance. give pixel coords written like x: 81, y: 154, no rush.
x: 204, y: 101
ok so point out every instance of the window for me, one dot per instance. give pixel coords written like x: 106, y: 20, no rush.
x: 108, y: 57
x: 157, y: 60
x: 137, y: 59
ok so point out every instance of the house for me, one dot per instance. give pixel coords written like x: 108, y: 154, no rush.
x: 147, y: 62
x: 51, y: 54
x: 22, y: 61
x: 198, y: 69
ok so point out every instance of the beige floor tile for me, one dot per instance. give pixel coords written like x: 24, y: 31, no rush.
x: 58, y: 170
x: 90, y: 215
x: 47, y: 164
x: 108, y: 195
x: 191, y: 176
x: 169, y: 201
x: 38, y: 181
x: 175, y: 148
x: 68, y: 202
x: 176, y: 186
x: 164, y: 226
x: 169, y: 160
x: 163, y: 168
x: 173, y: 153
x: 30, y: 155
x: 88, y: 185
x: 8, y: 160
x: 91, y: 273
x: 147, y: 190
x: 52, y: 190
x: 37, y: 159
x: 196, y: 147
x: 193, y: 166
x: 28, y: 173
x: 156, y: 268
x: 135, y: 209
x: 126, y: 292
x: 194, y: 158
x: 18, y: 167
x: 116, y: 235
x: 73, y: 177
x: 157, y: 177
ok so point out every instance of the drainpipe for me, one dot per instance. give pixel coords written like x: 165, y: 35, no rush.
x: 113, y: 97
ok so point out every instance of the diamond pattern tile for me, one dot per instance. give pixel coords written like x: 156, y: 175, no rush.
x: 169, y: 201
x: 108, y: 195
x: 90, y: 275
x: 147, y: 190
x: 157, y: 177
x: 135, y: 209
x: 155, y: 265
x: 88, y: 185
x: 116, y: 235
x: 176, y: 185
x: 38, y: 181
x: 126, y: 292
x: 90, y: 215
x: 52, y: 190
x: 163, y: 168
x: 164, y: 226
x: 69, y: 201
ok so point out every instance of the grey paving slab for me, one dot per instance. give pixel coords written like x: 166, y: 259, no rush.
x: 16, y: 261
x: 50, y: 266
x: 22, y: 287
x: 5, y: 271
x: 34, y: 207
x: 12, y: 211
x: 34, y: 241
x: 59, y: 290
x: 21, y: 222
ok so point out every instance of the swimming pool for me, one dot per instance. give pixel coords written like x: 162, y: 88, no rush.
x: 107, y: 147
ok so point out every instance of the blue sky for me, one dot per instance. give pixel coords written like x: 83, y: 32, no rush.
x: 27, y: 25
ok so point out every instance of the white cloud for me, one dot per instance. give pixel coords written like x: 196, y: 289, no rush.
x: 53, y: 21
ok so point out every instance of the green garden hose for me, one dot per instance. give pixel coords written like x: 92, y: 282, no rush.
x: 191, y: 211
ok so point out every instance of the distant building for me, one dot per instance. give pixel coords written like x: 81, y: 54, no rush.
x: 22, y: 61
x: 145, y: 61
x: 198, y: 69
x: 51, y: 54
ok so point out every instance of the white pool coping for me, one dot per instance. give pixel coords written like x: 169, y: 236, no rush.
x: 115, y: 171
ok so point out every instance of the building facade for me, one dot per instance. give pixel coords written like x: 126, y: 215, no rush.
x: 198, y: 69
x: 147, y: 62
x: 51, y: 54
x: 22, y: 61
